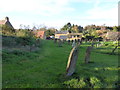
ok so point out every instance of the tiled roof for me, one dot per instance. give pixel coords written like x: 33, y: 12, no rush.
x: 112, y: 34
x: 61, y: 32
x: 115, y: 33
x: 2, y: 21
x: 40, y: 33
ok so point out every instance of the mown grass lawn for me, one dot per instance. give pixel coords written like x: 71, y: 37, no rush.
x: 46, y: 68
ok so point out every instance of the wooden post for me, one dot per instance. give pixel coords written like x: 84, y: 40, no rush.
x: 69, y: 42
x: 79, y: 41
x: 59, y: 43
x: 63, y: 41
x: 38, y: 42
x: 70, y: 69
x: 73, y: 44
x: 87, y: 55
x: 92, y: 45
x: 55, y: 40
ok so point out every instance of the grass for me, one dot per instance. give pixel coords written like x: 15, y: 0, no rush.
x: 107, y: 48
x: 46, y: 68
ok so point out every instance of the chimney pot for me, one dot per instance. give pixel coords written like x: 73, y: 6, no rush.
x: 7, y: 18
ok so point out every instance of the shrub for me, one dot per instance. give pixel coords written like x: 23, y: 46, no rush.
x: 106, y: 44
x: 25, y: 40
x: 95, y: 82
x: 17, y: 52
x: 8, y: 41
x: 6, y: 30
x: 75, y: 83
x: 21, y: 33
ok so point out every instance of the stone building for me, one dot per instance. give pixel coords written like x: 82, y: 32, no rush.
x: 61, y: 34
x: 74, y: 36
x: 113, y: 36
x: 67, y: 36
x: 40, y: 34
x: 6, y: 22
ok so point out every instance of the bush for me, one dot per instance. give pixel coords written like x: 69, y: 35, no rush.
x: 17, y: 52
x: 25, y: 40
x: 8, y: 41
x: 20, y: 33
x: 6, y: 30
x: 95, y: 82
x: 74, y: 83
x: 106, y: 44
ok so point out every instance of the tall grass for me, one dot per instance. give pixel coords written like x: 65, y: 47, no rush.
x: 46, y: 68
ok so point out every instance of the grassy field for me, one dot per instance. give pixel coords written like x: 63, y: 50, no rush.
x: 46, y: 68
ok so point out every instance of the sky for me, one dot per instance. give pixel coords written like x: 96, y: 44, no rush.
x: 56, y: 13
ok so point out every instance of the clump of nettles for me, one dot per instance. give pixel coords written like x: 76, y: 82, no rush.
x: 75, y: 83
x: 93, y: 82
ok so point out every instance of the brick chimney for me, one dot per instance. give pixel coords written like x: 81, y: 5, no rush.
x: 7, y: 18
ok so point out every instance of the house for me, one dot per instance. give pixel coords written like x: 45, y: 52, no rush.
x: 40, y: 34
x: 100, y: 32
x: 61, y: 34
x: 74, y: 36
x: 67, y: 36
x: 113, y: 36
x: 103, y: 35
x: 6, y: 22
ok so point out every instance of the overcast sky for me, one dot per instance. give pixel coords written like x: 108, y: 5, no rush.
x: 56, y: 13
